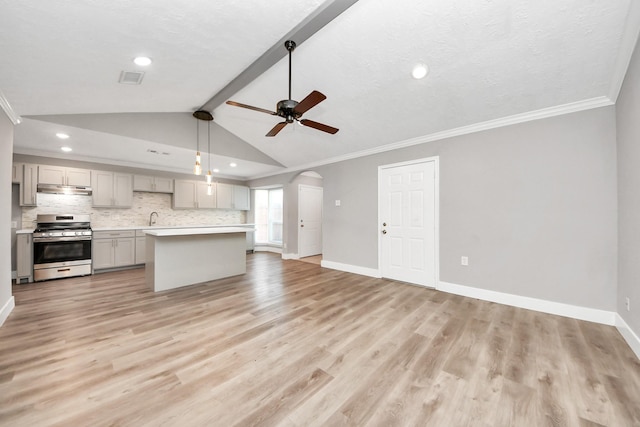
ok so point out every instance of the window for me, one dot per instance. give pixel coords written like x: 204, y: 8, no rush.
x: 268, y: 220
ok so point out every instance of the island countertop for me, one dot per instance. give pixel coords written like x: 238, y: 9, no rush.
x: 166, y: 232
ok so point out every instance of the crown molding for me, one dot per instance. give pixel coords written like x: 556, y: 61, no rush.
x: 559, y: 110
x: 4, y: 103
x: 627, y: 46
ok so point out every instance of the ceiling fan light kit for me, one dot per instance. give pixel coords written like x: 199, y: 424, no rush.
x: 291, y: 110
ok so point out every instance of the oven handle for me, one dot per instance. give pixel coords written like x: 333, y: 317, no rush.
x: 60, y: 239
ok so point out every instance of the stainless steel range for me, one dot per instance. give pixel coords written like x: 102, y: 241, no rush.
x: 61, y: 246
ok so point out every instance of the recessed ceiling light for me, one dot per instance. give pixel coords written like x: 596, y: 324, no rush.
x: 62, y: 135
x: 142, y: 61
x: 233, y: 165
x: 66, y: 149
x: 419, y: 71
x: 216, y: 170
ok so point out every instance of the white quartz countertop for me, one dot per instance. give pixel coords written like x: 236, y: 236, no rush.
x: 153, y: 227
x: 167, y: 227
x: 166, y: 232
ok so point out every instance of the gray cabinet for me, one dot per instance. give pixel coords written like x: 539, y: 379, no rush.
x: 24, y: 258
x: 153, y: 184
x: 224, y: 196
x: 29, y: 185
x: 112, y: 249
x: 59, y: 175
x: 112, y: 190
x: 141, y: 246
x: 16, y: 173
x: 232, y: 197
x: 193, y: 195
x: 204, y: 200
x: 241, y: 198
x: 184, y: 195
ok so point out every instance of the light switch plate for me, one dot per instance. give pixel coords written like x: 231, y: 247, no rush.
x: 337, y: 202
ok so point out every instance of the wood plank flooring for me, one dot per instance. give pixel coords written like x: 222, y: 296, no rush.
x: 293, y: 344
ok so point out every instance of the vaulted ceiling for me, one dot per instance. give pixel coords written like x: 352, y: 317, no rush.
x: 491, y: 62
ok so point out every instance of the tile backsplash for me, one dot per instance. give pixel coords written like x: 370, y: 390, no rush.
x: 137, y: 215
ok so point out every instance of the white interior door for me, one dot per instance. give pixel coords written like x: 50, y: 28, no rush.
x: 407, y: 206
x: 309, y: 220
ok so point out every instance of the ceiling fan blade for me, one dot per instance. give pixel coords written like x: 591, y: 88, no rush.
x: 313, y: 99
x: 262, y: 110
x: 277, y: 128
x: 319, y: 126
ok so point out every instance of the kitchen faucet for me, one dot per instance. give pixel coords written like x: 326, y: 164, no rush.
x: 151, y: 220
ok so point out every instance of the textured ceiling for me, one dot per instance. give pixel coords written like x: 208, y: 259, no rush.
x: 488, y: 60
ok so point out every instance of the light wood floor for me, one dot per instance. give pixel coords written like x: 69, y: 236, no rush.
x: 293, y: 344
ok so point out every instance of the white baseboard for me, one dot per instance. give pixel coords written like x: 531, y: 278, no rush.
x: 267, y: 249
x: 544, y: 306
x: 290, y: 256
x: 364, y: 271
x: 7, y: 309
x: 629, y: 336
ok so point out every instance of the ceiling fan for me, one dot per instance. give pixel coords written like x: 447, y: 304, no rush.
x: 292, y: 110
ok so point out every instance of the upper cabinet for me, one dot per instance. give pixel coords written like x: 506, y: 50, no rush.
x: 28, y: 185
x: 16, y: 173
x: 193, y: 195
x: 152, y: 184
x: 112, y: 190
x: 232, y: 197
x: 241, y: 198
x: 59, y: 175
x: 224, y: 195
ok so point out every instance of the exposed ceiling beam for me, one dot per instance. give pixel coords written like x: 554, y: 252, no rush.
x: 324, y: 14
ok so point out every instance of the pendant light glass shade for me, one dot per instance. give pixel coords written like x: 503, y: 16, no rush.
x: 197, y: 169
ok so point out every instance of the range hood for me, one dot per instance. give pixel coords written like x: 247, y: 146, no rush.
x: 76, y: 190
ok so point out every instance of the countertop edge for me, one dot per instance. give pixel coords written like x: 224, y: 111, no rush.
x: 166, y: 232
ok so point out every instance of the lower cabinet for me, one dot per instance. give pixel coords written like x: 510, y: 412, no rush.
x: 141, y: 245
x: 24, y: 258
x: 113, y: 249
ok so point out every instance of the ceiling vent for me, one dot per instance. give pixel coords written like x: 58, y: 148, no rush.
x: 131, y: 77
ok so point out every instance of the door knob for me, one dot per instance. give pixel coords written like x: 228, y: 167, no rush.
x: 384, y: 231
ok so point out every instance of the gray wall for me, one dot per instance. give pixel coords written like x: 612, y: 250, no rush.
x: 6, y: 151
x: 532, y: 205
x: 628, y: 127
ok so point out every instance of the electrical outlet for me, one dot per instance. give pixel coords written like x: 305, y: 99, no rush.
x: 464, y: 260
x: 627, y: 303
x: 337, y: 202
x: 14, y: 224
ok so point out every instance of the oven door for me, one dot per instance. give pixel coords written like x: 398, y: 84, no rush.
x: 56, y: 252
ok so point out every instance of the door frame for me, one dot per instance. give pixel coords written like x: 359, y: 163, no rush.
x: 436, y: 217
x: 315, y: 187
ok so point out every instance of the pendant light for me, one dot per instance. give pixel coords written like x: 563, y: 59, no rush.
x: 197, y: 169
x: 206, y: 116
x: 209, y: 176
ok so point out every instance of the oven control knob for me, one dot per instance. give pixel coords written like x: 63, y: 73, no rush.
x: 78, y: 233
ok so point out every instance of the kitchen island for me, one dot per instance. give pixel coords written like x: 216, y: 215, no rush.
x: 186, y: 256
